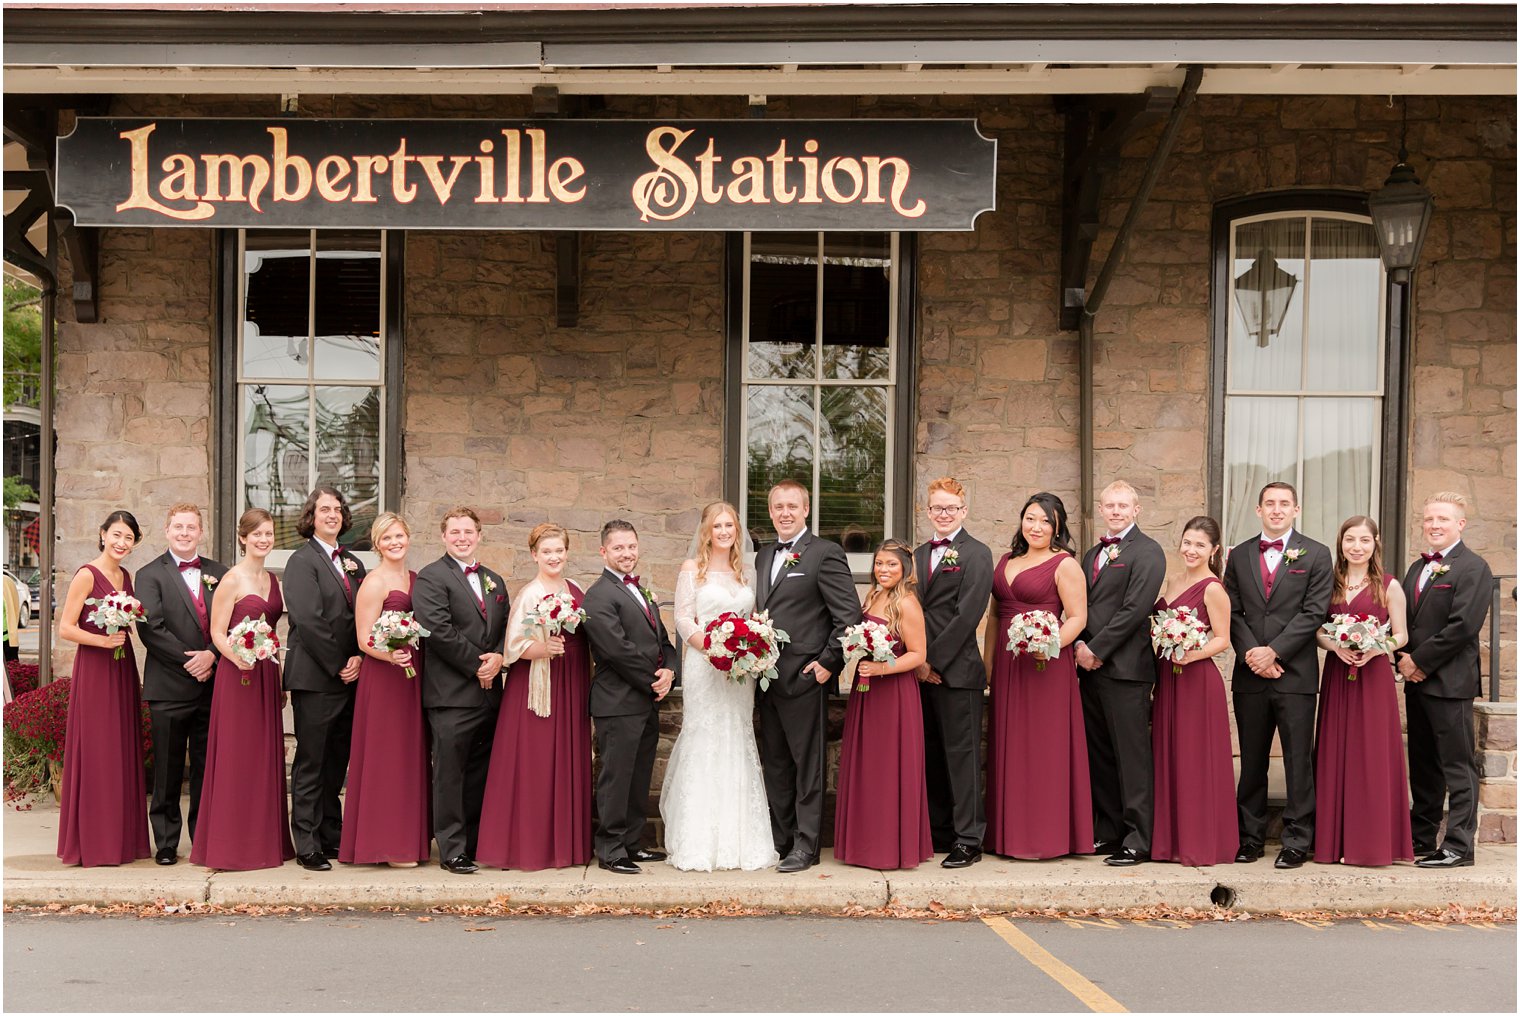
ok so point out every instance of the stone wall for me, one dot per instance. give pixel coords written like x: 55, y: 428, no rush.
x: 1495, y: 722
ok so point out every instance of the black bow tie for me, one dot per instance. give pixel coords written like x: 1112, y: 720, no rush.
x: 1428, y: 557
x: 780, y: 547
x: 1109, y: 541
x: 1266, y: 545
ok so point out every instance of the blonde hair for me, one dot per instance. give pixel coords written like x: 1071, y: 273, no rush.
x: 1121, y: 485
x: 710, y: 516
x: 1450, y: 497
x: 384, y: 521
x: 908, y: 586
x: 544, y: 529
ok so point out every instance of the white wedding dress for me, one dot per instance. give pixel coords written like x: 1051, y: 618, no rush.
x: 713, y: 797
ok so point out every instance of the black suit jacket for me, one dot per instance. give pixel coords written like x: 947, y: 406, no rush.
x: 814, y: 602
x: 1119, y: 606
x: 626, y: 649
x: 173, y: 628
x: 1444, y: 625
x: 459, y: 631
x: 955, y: 599
x: 322, y: 636
x: 1300, y: 603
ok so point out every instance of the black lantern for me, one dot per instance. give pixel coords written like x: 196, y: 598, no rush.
x: 1401, y: 214
x: 1263, y: 293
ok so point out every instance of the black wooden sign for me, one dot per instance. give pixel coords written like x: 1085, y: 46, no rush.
x: 528, y: 174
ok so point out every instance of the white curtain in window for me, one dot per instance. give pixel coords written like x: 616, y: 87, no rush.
x: 1339, y: 442
x: 1261, y: 445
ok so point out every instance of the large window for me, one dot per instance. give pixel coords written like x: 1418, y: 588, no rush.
x: 311, y: 362
x: 814, y: 380
x: 1304, y: 370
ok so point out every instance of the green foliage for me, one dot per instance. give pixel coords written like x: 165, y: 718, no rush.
x: 17, y: 491
x: 23, y: 344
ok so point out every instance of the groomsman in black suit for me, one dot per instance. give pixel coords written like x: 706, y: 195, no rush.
x: 956, y: 588
x: 464, y: 606
x: 1118, y: 670
x: 320, y: 581
x: 1448, y: 591
x: 804, y: 582
x: 175, y: 589
x: 634, y: 665
x: 1279, y: 586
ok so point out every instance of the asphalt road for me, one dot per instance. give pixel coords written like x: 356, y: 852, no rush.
x: 396, y: 962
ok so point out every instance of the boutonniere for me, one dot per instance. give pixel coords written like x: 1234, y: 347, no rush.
x: 1293, y: 555
x: 350, y: 565
x: 951, y: 559
x: 648, y: 597
x: 209, y: 580
x: 1439, y: 570
x: 1113, y: 553
x: 487, y: 584
x: 790, y: 560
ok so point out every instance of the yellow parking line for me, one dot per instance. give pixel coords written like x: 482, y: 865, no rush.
x: 1086, y: 992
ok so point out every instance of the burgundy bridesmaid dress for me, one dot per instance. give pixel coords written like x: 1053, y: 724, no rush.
x: 1039, y: 800
x: 1361, y: 792
x: 1195, y: 820
x: 245, y: 816
x: 882, y: 818
x: 537, y: 808
x: 103, y: 817
x: 386, y: 811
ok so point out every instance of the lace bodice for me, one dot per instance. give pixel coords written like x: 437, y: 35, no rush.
x: 719, y: 593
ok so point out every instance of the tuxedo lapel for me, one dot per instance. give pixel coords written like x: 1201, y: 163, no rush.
x: 923, y: 559
x: 327, y: 570
x: 1253, y: 554
x: 178, y: 580
x: 456, y: 575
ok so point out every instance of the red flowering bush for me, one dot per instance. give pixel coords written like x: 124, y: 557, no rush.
x: 23, y: 677
x: 34, y: 728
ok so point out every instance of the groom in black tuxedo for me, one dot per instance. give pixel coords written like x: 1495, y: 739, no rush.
x: 956, y: 588
x: 1118, y: 670
x: 175, y: 589
x: 1448, y: 590
x: 803, y: 581
x: 320, y: 582
x: 1279, y: 586
x: 634, y: 666
x: 464, y: 606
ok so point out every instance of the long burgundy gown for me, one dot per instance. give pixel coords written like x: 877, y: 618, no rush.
x: 1039, y: 800
x: 536, y: 812
x: 386, y: 813
x: 103, y: 816
x: 1361, y: 792
x: 882, y: 819
x: 1195, y: 819
x: 245, y: 816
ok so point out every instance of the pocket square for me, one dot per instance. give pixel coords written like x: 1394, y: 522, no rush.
x: 1117, y: 564
x: 1446, y: 586
x: 948, y: 570
x: 794, y: 575
x: 501, y: 597
x: 1298, y: 571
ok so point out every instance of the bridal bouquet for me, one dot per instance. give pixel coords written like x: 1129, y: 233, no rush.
x: 397, y: 629
x: 1359, y: 633
x: 548, y: 616
x: 740, y: 647
x: 253, y: 640
x: 868, y: 640
x: 113, y: 612
x: 1035, y: 631
x: 1177, y: 631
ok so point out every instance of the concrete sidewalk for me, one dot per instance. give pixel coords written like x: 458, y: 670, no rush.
x: 33, y: 875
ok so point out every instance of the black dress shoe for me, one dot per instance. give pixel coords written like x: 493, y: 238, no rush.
x: 961, y: 856
x: 313, y: 862
x: 1445, y: 858
x: 1107, y: 846
x: 460, y: 865
x: 1425, y: 849
x: 1126, y: 857
x: 1291, y: 857
x: 620, y: 865
x: 166, y: 855
x: 796, y: 861
x: 647, y: 856
x: 1249, y: 852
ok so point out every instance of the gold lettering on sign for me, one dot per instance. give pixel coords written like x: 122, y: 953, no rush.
x: 331, y: 171
x: 671, y: 185
x: 284, y: 163
x: 257, y: 167
x: 139, y: 196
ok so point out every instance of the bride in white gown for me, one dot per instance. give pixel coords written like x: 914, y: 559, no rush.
x: 713, y: 797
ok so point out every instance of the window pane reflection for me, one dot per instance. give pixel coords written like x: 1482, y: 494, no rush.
x: 348, y: 306
x: 853, y: 466
x: 1346, y: 276
x: 276, y: 463
x: 1268, y: 275
x: 1338, y: 445
x: 348, y: 453
x: 1261, y: 445
x: 277, y: 268
x: 857, y: 305
x: 780, y: 445
x: 783, y: 304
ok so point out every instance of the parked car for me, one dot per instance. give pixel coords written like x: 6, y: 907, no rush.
x: 26, y: 595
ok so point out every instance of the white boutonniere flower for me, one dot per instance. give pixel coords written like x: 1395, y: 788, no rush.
x: 648, y: 597
x: 790, y: 560
x: 350, y: 565
x: 487, y: 584
x: 951, y: 558
x: 208, y: 580
x: 1439, y: 570
x: 1113, y: 553
x: 1293, y: 555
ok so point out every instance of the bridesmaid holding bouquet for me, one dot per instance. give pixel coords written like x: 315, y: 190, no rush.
x: 1190, y: 723
x: 1361, y: 791
x: 102, y: 818
x: 537, y: 808
x: 882, y: 818
x: 386, y: 816
x: 245, y: 816
x: 1039, y: 799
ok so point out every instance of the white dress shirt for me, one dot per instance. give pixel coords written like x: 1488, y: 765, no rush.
x: 473, y: 578
x: 1274, y: 557
x: 631, y: 590
x: 780, y: 555
x: 1428, y: 571
x: 331, y: 549
x: 191, y: 577
x: 937, y: 554
x: 1103, y: 554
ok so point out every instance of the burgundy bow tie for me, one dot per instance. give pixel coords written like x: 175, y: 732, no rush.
x: 1428, y: 557
x: 631, y: 580
x: 471, y: 569
x: 939, y: 543
x: 337, y: 555
x: 193, y: 564
x: 1266, y: 545
x: 1109, y: 541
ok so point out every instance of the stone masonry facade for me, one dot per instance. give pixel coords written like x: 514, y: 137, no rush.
x: 623, y: 414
